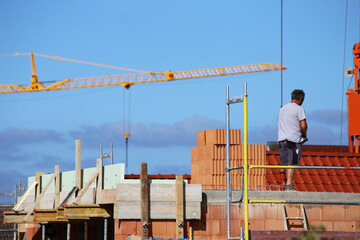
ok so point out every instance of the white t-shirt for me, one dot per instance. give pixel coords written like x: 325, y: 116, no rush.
x: 289, y: 122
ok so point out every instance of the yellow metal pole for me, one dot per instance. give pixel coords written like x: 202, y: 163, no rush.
x: 246, y: 197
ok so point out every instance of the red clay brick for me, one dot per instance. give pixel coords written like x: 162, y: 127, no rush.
x: 352, y: 213
x: 236, y: 227
x: 223, y: 228
x: 30, y: 232
x: 295, y: 225
x: 236, y: 212
x: 214, y: 227
x: 274, y: 225
x: 328, y: 225
x: 127, y: 227
x: 201, y: 138
x: 273, y: 211
x: 357, y: 226
x: 314, y: 213
x: 218, y: 211
x: 204, y: 237
x: 257, y: 224
x: 256, y: 211
x: 121, y: 237
x: 218, y: 237
x: 333, y: 213
x: 158, y: 228
x: 171, y: 229
x: 344, y: 226
x: 292, y: 210
x: 138, y: 228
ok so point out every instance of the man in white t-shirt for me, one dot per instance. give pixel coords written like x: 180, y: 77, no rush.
x: 291, y: 134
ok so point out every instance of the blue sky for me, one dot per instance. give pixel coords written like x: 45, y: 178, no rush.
x: 38, y: 130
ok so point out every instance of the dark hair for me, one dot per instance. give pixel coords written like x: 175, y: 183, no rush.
x: 297, y: 94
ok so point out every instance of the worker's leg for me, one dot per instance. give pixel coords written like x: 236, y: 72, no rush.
x: 290, y: 176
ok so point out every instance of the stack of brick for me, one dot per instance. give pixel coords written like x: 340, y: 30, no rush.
x: 208, y: 160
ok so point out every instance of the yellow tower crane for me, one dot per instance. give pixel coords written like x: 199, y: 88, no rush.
x: 127, y: 80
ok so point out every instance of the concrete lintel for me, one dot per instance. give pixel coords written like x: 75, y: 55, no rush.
x: 219, y: 196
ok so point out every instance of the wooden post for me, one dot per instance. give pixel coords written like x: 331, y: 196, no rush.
x: 57, y: 186
x: 144, y: 195
x: 38, y: 186
x: 99, y: 185
x: 179, y: 188
x: 78, y: 164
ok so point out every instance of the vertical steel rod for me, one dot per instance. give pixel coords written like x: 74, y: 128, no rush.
x: 105, y: 228
x: 112, y: 159
x: 68, y: 229
x: 43, y: 231
x: 228, y: 179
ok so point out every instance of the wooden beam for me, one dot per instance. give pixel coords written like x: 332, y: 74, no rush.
x: 46, y: 215
x: 99, y: 185
x: 78, y: 164
x: 87, y: 185
x: 179, y: 189
x: 57, y: 186
x: 88, y: 211
x: 16, y: 217
x: 25, y: 196
x: 144, y: 199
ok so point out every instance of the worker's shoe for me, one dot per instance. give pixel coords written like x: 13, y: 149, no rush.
x: 290, y: 187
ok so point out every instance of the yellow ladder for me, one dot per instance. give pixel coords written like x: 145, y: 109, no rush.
x: 302, y: 218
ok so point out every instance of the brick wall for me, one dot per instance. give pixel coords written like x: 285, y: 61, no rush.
x: 208, y: 160
x: 212, y: 225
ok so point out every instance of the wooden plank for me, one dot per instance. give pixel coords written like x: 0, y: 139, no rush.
x: 17, y: 217
x: 158, y: 210
x: 25, y: 196
x: 57, y: 186
x: 46, y: 215
x: 179, y: 206
x: 87, y: 185
x: 88, y: 211
x: 78, y: 164
x: 99, y: 184
x: 144, y: 199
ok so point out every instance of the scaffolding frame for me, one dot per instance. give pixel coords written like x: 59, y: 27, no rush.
x: 246, y: 167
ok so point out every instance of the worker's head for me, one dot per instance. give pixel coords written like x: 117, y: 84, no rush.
x: 298, y: 95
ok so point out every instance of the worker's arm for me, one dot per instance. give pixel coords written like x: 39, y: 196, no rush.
x: 303, y: 128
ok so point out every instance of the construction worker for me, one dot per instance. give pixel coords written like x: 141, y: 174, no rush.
x: 292, y: 134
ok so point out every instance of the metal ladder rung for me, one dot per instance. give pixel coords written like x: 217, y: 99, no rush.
x: 294, y: 218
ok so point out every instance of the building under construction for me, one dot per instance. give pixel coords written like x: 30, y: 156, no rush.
x: 104, y: 203
x: 235, y: 191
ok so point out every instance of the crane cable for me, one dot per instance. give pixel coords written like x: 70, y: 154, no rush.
x: 281, y: 69
x: 126, y: 124
x: 343, y: 79
x: 72, y: 60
